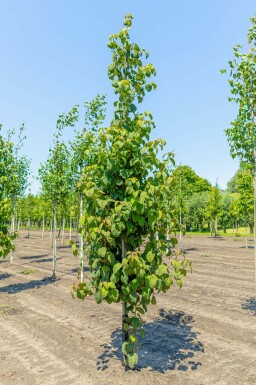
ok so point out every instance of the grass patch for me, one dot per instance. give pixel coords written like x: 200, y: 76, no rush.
x: 28, y: 271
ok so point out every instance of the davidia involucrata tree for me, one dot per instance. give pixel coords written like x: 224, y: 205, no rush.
x: 7, y: 163
x: 125, y: 192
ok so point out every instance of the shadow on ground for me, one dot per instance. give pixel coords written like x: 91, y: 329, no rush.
x: 34, y: 256
x: 4, y: 276
x: 46, y: 260
x: 16, y: 288
x: 169, y: 344
x: 250, y: 304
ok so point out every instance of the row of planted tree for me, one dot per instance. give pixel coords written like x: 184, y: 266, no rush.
x: 201, y: 205
x: 130, y: 202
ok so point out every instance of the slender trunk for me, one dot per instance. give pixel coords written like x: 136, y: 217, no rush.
x: 215, y: 227
x: 180, y: 229
x: 43, y: 228
x: 81, y: 259
x: 70, y: 228
x: 168, y: 238
x: 125, y: 336
x: 54, y: 241
x: 254, y: 185
x: 28, y: 227
x: 18, y: 227
x: 246, y: 235
x: 76, y: 230
x: 13, y: 225
x: 51, y: 229
x: 63, y: 230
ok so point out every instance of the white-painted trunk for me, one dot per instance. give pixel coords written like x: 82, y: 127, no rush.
x: 246, y: 235
x: 125, y: 336
x: 43, y: 228
x: 54, y: 251
x: 81, y: 258
x: 63, y: 230
x: 70, y: 227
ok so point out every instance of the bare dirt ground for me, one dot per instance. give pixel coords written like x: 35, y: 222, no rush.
x: 203, y: 334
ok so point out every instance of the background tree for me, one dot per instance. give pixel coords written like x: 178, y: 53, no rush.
x: 82, y: 154
x: 55, y: 174
x: 196, y: 215
x: 6, y: 170
x: 214, y: 208
x: 242, y: 132
x: 245, y: 204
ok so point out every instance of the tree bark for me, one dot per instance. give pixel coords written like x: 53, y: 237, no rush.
x: 246, y: 235
x: 43, y: 228
x: 254, y: 185
x: 125, y: 336
x: 70, y: 228
x: 215, y: 227
x: 63, y: 230
x: 54, y: 241
x: 81, y: 258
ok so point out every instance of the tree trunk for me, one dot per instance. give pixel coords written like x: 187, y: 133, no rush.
x: 246, y: 235
x: 81, y: 259
x: 76, y: 230
x: 125, y: 336
x: 63, y: 230
x: 28, y: 227
x: 215, y: 227
x: 54, y: 241
x: 43, y: 228
x: 180, y: 229
x: 254, y: 185
x: 70, y: 228
x: 13, y: 225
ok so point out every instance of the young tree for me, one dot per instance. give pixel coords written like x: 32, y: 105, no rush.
x: 214, y: 208
x: 242, y: 132
x: 81, y: 155
x: 196, y: 210
x: 124, y: 188
x: 55, y: 174
x: 245, y: 204
x: 6, y: 172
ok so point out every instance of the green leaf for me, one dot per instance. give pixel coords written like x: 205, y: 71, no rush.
x: 153, y: 300
x: 133, y: 338
x: 133, y: 108
x: 152, y: 280
x: 134, y: 284
x: 161, y: 269
x: 132, y: 359
x: 114, y: 295
x: 150, y: 256
x: 117, y: 267
x: 98, y: 296
x: 102, y: 252
x: 127, y: 347
x: 104, y: 292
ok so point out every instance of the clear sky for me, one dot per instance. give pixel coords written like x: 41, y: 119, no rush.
x: 54, y: 55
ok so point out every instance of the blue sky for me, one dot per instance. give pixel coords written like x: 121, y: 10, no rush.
x: 54, y: 55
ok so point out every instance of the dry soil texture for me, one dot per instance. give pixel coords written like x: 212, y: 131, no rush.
x: 203, y: 334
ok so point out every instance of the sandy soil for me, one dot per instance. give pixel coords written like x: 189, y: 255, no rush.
x: 203, y: 334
